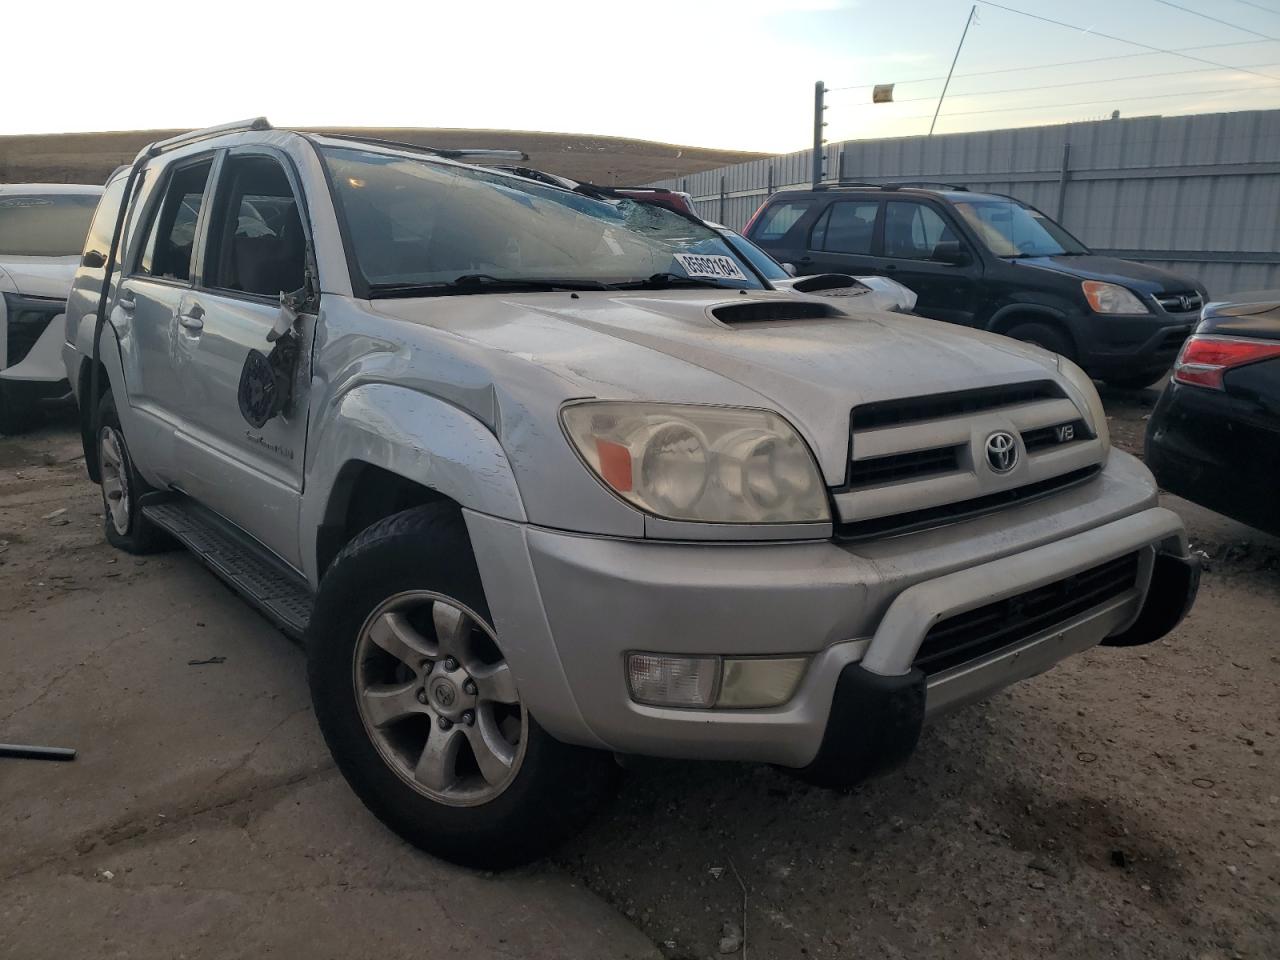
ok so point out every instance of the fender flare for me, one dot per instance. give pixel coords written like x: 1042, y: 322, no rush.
x: 408, y: 433
x: 1057, y: 318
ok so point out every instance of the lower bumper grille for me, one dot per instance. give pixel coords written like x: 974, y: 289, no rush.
x: 976, y: 633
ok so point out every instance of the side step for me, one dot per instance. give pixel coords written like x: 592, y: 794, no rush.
x: 243, y: 563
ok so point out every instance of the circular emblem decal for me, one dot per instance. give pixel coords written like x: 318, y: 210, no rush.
x: 1002, y: 451
x: 444, y: 693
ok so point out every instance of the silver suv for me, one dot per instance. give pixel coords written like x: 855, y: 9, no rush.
x: 542, y: 477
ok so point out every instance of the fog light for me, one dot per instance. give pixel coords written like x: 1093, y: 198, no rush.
x: 759, y: 682
x: 672, y: 681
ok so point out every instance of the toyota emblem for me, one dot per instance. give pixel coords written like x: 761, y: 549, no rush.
x: 1002, y: 451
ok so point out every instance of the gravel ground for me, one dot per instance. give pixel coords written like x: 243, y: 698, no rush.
x: 1126, y: 804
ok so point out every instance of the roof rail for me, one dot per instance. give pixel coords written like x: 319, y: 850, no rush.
x: 193, y: 136
x: 464, y: 154
x: 927, y: 184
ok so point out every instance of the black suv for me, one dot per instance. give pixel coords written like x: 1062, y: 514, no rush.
x: 990, y: 261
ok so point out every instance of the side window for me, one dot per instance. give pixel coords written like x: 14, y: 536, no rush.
x: 98, y: 243
x: 912, y: 230
x: 847, y: 227
x: 171, y: 234
x: 780, y: 218
x: 256, y: 244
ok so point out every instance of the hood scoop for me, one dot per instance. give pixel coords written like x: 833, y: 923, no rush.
x: 759, y: 311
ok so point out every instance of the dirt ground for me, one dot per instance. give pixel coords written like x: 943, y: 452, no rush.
x: 1126, y: 804
x: 90, y: 157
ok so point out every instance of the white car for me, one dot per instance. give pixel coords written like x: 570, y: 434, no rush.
x: 874, y: 293
x: 42, y: 234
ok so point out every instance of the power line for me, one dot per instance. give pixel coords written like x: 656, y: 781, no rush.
x: 1108, y: 36
x: 1080, y: 83
x: 1045, y: 66
x: 1108, y: 100
x: 1206, y: 16
x: 1258, y: 6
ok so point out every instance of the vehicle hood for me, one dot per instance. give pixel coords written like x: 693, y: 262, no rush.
x: 38, y: 276
x: 1135, y: 276
x: 669, y: 347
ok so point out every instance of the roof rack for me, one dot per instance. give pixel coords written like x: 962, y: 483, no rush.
x: 194, y: 136
x: 463, y: 154
x: 926, y: 184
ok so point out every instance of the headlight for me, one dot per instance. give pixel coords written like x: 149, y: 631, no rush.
x: 1097, y: 413
x: 709, y: 464
x: 1111, y: 298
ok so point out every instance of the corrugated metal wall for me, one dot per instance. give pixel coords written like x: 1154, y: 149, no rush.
x: 1199, y: 194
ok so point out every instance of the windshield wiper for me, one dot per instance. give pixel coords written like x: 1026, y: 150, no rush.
x: 482, y: 283
x: 660, y: 281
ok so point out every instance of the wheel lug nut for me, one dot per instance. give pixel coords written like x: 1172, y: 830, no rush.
x: 450, y: 663
x: 445, y: 723
x: 469, y: 688
x: 468, y: 717
x: 422, y: 696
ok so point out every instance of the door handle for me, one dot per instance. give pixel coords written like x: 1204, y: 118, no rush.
x: 193, y: 320
x: 126, y: 302
x: 891, y: 266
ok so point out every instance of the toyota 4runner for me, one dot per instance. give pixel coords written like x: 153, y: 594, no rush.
x: 541, y: 478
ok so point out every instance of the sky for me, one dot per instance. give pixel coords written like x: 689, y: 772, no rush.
x: 715, y: 73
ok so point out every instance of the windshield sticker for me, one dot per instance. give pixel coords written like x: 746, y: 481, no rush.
x: 713, y: 267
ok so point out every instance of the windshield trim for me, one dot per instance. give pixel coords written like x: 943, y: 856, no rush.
x: 362, y: 288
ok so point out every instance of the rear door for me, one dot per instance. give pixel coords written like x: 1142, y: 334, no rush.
x: 912, y: 231
x: 842, y: 239
x: 256, y: 250
x: 145, y: 315
x: 781, y: 229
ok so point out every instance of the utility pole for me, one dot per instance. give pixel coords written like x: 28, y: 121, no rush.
x: 967, y: 22
x: 819, y: 93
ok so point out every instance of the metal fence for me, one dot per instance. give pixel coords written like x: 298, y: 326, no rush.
x: 1199, y: 195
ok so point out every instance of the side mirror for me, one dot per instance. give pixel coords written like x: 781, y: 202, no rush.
x: 790, y: 268
x: 950, y: 251
x: 94, y: 260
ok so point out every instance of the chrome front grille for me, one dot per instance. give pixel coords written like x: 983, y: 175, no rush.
x: 1179, y: 301
x: 923, y: 461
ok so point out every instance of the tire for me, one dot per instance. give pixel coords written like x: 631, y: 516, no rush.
x: 1043, y: 335
x: 403, y: 580
x: 126, y: 528
x: 1136, y: 381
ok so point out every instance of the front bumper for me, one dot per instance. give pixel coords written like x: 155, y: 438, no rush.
x: 1121, y: 346
x: 568, y: 609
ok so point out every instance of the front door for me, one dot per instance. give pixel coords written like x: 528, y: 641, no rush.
x: 912, y: 234
x: 256, y: 250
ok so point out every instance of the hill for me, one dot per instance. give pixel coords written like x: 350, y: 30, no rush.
x: 90, y: 157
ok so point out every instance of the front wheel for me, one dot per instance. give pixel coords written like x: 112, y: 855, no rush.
x: 421, y: 710
x: 1043, y: 335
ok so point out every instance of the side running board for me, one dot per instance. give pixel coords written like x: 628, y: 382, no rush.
x: 246, y: 566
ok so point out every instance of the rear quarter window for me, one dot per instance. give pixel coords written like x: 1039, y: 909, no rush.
x: 779, y: 219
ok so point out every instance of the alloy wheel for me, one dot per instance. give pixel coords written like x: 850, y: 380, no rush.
x: 437, y: 698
